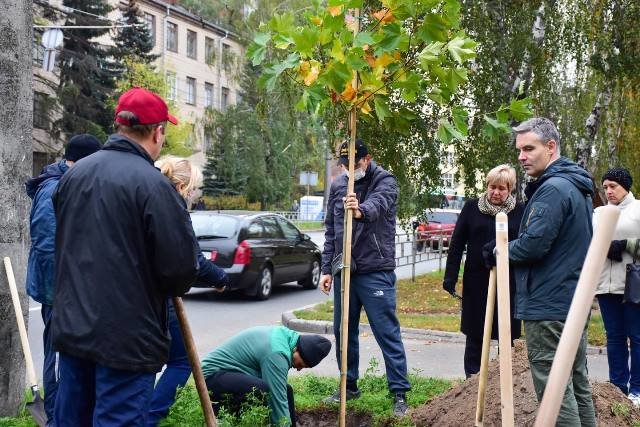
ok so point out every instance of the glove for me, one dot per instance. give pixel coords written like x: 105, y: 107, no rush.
x: 489, y: 255
x: 615, y: 250
x: 449, y: 286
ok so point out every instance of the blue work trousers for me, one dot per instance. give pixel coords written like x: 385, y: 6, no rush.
x: 90, y: 394
x: 622, y: 325
x: 376, y: 292
x: 49, y: 374
x: 175, y: 374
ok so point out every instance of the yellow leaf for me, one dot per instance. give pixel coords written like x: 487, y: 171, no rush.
x: 312, y: 76
x: 384, y: 60
x: 366, y: 108
x: 335, y: 10
x: 371, y: 60
x: 383, y: 15
x: 348, y: 93
x: 316, y: 20
x: 304, y: 67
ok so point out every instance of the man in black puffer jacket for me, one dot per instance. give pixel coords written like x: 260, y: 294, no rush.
x: 124, y: 245
x: 373, y: 280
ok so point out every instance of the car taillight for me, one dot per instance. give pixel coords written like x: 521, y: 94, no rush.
x: 214, y: 255
x: 243, y: 253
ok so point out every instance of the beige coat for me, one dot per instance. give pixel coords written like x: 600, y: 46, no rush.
x: 613, y: 275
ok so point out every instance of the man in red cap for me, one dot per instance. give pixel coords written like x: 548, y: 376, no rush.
x: 124, y: 245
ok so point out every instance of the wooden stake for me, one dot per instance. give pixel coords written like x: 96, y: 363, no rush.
x: 190, y: 345
x: 346, y: 252
x: 486, y: 344
x: 504, y: 319
x: 577, y: 317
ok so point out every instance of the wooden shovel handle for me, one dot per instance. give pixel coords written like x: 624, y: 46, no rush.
x: 201, y: 386
x: 486, y: 343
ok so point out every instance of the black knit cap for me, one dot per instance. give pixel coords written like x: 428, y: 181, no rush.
x: 619, y: 175
x: 80, y: 146
x: 313, y: 348
x: 361, y: 151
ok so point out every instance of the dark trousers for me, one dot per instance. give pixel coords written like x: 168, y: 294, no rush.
x: 175, y: 374
x: 231, y: 390
x: 472, y: 355
x: 49, y: 375
x: 622, y: 324
x: 376, y: 292
x: 90, y: 394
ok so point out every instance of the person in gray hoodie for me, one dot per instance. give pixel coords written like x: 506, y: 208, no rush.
x: 547, y: 258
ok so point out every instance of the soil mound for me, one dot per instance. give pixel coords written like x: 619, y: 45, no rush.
x: 457, y: 407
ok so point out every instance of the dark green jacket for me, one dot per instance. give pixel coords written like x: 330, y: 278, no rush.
x: 263, y: 352
x: 552, y: 243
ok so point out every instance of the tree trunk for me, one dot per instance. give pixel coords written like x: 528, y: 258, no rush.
x: 16, y: 101
x: 523, y: 78
x: 585, y: 145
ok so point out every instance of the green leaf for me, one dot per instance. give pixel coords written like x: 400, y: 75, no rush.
x: 461, y: 49
x: 283, y: 24
x: 461, y: 120
x: 337, y: 75
x: 363, y: 38
x: 270, y: 74
x: 447, y: 132
x: 435, y: 27
x: 306, y: 40
x: 370, y: 81
x: 452, y: 12
x: 326, y: 36
x: 354, y: 59
x: 431, y: 54
x: 282, y: 41
x: 256, y: 53
x: 493, y: 129
x: 392, y: 38
x: 382, y: 107
x: 520, y: 109
x: 453, y: 77
x: 333, y: 23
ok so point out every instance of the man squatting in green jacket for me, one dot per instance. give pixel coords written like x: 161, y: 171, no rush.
x: 257, y: 360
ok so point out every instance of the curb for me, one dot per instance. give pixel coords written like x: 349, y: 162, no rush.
x: 325, y: 327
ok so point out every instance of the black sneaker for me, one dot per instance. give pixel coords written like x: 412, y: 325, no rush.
x: 335, y: 397
x: 400, y: 405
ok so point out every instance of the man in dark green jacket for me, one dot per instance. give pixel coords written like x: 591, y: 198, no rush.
x: 257, y: 360
x: 547, y: 257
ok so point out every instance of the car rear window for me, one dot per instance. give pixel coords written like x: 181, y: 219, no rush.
x: 214, y: 226
x: 442, y: 217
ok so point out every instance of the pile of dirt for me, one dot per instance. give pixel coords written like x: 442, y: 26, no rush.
x: 328, y: 417
x: 457, y: 406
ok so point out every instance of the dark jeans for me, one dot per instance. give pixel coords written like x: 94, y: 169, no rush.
x: 542, y: 338
x: 49, y: 375
x: 376, y: 292
x: 230, y: 389
x: 90, y: 394
x: 175, y: 374
x: 472, y: 355
x: 622, y: 324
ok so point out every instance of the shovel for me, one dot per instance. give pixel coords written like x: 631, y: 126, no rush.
x: 36, y: 407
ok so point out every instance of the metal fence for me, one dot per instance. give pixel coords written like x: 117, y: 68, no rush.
x: 412, y: 249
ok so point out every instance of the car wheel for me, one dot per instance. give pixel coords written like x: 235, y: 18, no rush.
x: 312, y: 279
x: 265, y: 284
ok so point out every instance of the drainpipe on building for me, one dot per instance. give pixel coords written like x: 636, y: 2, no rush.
x: 226, y: 34
x: 164, y: 43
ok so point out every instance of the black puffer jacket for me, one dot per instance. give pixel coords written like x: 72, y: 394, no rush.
x: 124, y: 244
x: 373, y: 242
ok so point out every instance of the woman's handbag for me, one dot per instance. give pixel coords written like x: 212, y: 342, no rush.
x: 632, y: 282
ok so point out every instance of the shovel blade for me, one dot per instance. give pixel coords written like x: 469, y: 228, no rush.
x: 36, y: 409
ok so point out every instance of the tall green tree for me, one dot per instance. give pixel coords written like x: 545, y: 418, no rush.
x: 87, y: 77
x: 134, y: 41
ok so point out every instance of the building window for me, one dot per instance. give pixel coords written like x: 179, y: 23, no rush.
x: 41, y: 110
x: 209, y: 50
x: 191, y: 91
x: 208, y: 95
x: 449, y: 160
x: 448, y: 180
x: 208, y: 142
x: 227, y: 57
x: 225, y: 99
x: 172, y: 86
x: 192, y: 44
x: 172, y: 37
x: 150, y: 21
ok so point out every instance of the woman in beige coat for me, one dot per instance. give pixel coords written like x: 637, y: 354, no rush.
x: 621, y: 319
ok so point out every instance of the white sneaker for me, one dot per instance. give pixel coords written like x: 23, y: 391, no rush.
x: 635, y: 399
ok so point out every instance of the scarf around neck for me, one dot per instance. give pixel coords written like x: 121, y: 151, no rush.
x: 487, y: 208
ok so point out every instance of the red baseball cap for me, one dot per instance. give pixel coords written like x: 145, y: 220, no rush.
x: 148, y: 107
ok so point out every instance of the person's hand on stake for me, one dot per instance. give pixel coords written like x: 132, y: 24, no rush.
x: 351, y: 202
x: 616, y: 249
x: 325, y: 283
x: 489, y: 255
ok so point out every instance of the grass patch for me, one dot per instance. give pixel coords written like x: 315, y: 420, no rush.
x: 309, y: 225
x: 423, y: 304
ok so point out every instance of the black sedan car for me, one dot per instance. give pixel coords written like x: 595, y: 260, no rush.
x: 257, y: 250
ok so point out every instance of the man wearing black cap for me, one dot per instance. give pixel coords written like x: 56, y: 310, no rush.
x: 257, y: 360
x: 373, y: 280
x: 40, y: 269
x: 125, y: 244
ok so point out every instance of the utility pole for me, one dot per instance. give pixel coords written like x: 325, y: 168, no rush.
x: 16, y: 159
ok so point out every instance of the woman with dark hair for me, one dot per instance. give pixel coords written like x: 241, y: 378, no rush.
x: 621, y: 319
x: 476, y: 227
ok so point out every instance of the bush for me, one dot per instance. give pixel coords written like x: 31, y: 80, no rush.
x: 229, y: 203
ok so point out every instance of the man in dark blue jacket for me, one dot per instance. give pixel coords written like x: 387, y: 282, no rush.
x: 41, y: 266
x: 373, y: 280
x: 547, y: 257
x: 125, y: 243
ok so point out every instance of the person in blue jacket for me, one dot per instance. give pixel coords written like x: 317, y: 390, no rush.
x: 373, y: 278
x: 186, y: 178
x: 41, y: 264
x: 547, y: 258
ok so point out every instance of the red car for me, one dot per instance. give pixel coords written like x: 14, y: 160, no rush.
x: 437, y: 226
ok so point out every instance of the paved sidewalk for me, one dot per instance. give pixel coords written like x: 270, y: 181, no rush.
x: 430, y: 353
